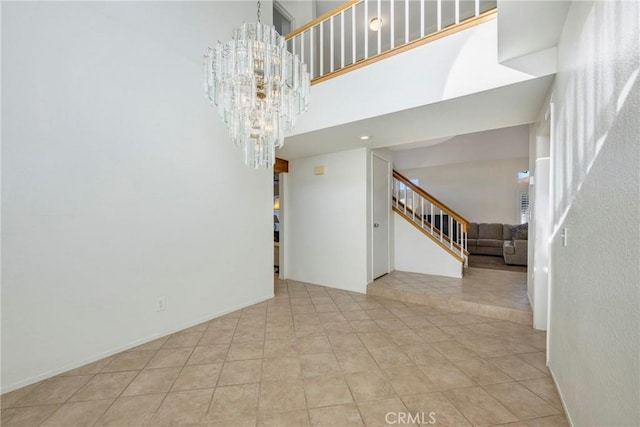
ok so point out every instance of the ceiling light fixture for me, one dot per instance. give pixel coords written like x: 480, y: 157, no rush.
x: 259, y: 87
x: 365, y: 137
x: 375, y: 24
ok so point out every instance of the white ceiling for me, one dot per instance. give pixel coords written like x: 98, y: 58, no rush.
x: 494, y: 144
x: 529, y: 26
x: 420, y: 144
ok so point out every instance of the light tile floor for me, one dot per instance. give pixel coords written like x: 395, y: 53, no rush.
x: 492, y: 293
x: 310, y: 356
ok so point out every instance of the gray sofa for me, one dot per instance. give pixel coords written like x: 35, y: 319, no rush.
x: 505, y: 240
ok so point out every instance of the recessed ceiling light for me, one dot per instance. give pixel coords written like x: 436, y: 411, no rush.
x: 375, y: 24
x: 365, y: 137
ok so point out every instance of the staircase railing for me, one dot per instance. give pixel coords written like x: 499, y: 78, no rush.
x: 344, y: 38
x: 436, y: 220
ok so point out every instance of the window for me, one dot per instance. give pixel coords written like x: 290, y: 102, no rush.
x: 523, y: 195
x: 405, y: 193
x: 402, y: 187
x: 524, y: 207
x: 523, y: 176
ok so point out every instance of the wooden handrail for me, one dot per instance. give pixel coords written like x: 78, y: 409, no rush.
x: 321, y: 18
x: 464, y: 222
x: 281, y: 165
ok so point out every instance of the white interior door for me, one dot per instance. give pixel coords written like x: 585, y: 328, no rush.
x: 381, y: 208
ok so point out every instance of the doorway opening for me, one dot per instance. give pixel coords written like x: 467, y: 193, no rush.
x: 276, y: 222
x: 282, y: 20
x: 280, y: 169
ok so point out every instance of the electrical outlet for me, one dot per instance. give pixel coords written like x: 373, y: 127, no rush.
x: 161, y: 304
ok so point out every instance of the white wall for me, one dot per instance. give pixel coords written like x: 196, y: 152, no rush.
x: 119, y: 182
x: 327, y: 237
x: 415, y: 252
x: 483, y: 191
x: 594, y: 324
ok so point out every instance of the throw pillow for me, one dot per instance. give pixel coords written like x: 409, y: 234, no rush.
x: 519, y: 229
x: 522, y: 235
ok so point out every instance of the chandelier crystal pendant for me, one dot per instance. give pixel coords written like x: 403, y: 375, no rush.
x: 259, y: 87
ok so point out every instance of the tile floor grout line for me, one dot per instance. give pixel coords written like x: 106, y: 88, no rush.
x: 302, y: 379
x: 117, y: 397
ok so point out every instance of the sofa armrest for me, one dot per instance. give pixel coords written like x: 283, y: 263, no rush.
x: 515, y: 252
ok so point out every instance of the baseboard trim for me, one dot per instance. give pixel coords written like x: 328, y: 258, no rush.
x: 54, y: 372
x: 564, y: 406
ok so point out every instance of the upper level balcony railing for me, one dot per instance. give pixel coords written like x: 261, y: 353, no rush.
x: 349, y: 36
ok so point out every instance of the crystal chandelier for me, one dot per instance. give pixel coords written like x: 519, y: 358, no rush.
x: 259, y: 87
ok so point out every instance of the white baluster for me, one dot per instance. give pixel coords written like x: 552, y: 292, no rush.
x: 441, y: 225
x: 439, y: 14
x: 431, y: 220
x: 450, y: 230
x: 464, y: 239
x: 457, y: 3
x: 422, y: 18
x: 422, y: 211
x: 365, y: 27
x: 477, y: 7
x: 302, y: 47
x: 353, y: 34
x: 392, y: 12
x: 321, y: 53
x: 312, y: 51
x: 342, y: 39
x: 331, y: 41
x: 406, y: 21
x: 379, y: 32
x: 413, y: 204
x: 405, y: 198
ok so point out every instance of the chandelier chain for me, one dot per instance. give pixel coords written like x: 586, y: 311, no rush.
x: 258, y: 10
